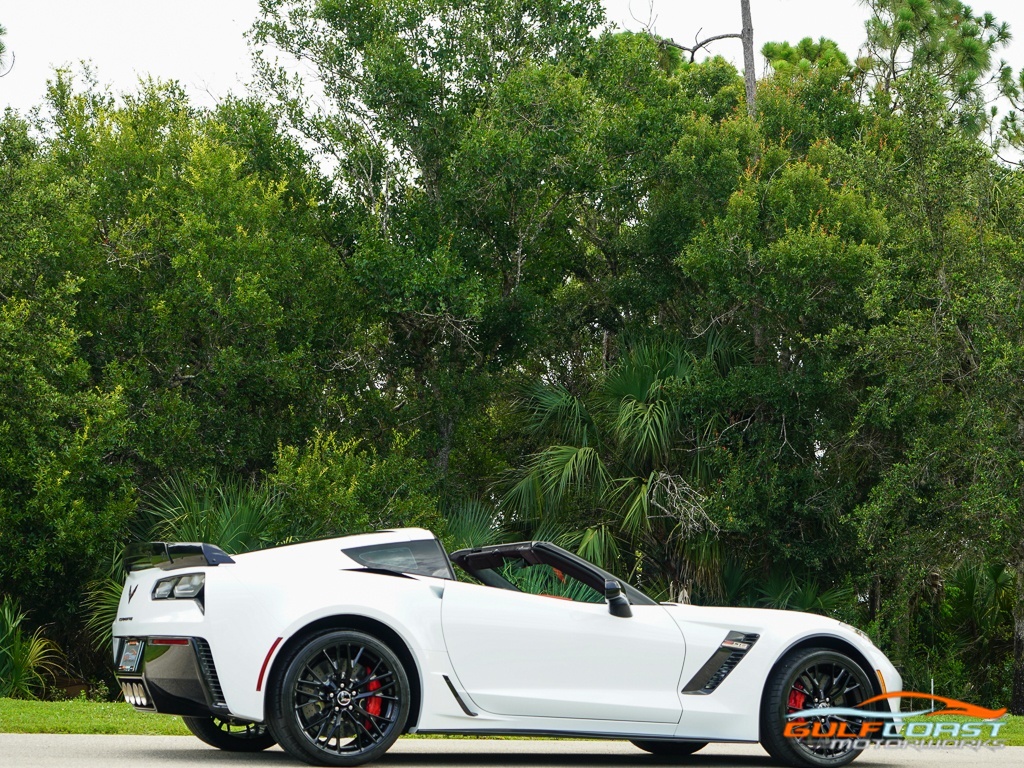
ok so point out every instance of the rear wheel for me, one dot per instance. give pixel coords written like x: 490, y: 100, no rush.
x: 342, y: 699
x: 807, y: 679
x: 231, y: 735
x: 674, y: 748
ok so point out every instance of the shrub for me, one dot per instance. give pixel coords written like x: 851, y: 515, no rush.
x: 332, y: 488
x: 26, y: 659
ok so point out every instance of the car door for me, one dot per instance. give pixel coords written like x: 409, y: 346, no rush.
x: 539, y: 656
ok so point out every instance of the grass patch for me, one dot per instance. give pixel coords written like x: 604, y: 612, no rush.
x: 80, y: 716
x: 1011, y: 734
x: 84, y: 717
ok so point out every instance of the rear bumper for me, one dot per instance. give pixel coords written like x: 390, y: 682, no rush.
x: 173, y: 676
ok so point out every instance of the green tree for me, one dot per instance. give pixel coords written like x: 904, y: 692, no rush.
x: 805, y: 54
x: 626, y: 462
x: 165, y: 308
x: 944, y: 39
x: 330, y: 488
x: 810, y: 96
x: 937, y: 404
x: 64, y: 495
x: 208, y: 285
x: 481, y: 241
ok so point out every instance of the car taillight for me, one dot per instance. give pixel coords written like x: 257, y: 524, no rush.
x: 189, y: 586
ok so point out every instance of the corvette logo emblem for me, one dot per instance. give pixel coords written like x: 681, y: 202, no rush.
x: 132, y: 591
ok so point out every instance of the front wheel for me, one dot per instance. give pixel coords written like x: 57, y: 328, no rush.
x: 229, y: 734
x: 342, y: 699
x: 674, y: 748
x: 814, y: 679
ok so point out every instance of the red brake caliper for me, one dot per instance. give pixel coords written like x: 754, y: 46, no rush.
x: 797, y: 697
x: 373, y: 704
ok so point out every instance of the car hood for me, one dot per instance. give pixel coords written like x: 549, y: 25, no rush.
x: 763, y: 621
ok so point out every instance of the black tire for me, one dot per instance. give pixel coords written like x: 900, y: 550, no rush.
x: 806, y: 679
x: 317, y: 708
x: 231, y: 735
x: 674, y: 748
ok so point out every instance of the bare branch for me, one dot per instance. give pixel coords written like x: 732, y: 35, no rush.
x: 677, y: 500
x: 698, y: 44
x: 651, y: 17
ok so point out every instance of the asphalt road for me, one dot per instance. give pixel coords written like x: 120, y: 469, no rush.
x: 49, y: 751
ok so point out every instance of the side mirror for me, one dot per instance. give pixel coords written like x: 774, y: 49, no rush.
x: 618, y: 604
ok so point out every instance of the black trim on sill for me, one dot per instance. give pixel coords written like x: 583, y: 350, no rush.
x: 722, y: 662
x: 606, y: 736
x: 455, y: 693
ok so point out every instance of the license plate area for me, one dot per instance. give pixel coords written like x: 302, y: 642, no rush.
x: 131, y: 656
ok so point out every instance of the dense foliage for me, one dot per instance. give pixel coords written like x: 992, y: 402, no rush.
x: 486, y: 267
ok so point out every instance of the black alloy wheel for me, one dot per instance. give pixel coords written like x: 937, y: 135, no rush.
x: 814, y: 678
x: 231, y: 735
x: 673, y: 748
x: 342, y: 699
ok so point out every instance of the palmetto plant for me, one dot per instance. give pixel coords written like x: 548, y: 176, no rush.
x: 472, y: 523
x: 978, y: 609
x: 785, y: 592
x: 234, y: 514
x: 543, y: 580
x: 101, y: 600
x: 630, y: 456
x: 26, y: 659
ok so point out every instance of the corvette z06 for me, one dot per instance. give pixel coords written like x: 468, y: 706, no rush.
x: 335, y: 648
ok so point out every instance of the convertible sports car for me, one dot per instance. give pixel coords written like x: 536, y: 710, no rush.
x: 334, y: 648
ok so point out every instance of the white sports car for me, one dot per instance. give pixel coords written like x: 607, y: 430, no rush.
x: 334, y: 648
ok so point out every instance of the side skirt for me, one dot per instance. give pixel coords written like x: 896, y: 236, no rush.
x: 574, y: 735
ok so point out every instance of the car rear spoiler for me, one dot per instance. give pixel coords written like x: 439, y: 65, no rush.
x: 168, y: 556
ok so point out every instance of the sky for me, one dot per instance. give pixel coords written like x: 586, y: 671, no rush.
x: 200, y: 43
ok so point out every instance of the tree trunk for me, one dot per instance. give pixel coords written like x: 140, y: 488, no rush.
x: 445, y: 433
x: 1017, y: 691
x: 749, y: 75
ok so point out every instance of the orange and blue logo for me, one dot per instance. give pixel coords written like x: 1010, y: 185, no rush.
x: 865, y: 723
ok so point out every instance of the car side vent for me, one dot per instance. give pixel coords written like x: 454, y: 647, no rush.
x: 205, y: 656
x: 723, y: 661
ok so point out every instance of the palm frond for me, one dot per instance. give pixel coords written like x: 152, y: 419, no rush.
x: 26, y: 660
x: 599, y: 546
x: 636, y: 517
x: 777, y: 590
x: 645, y: 431
x: 725, y: 350
x: 236, y: 515
x: 545, y: 580
x: 567, y: 469
x: 525, y: 499
x: 473, y: 523
x: 737, y: 584
x: 553, y: 409
x: 557, y: 532
x: 102, y: 598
